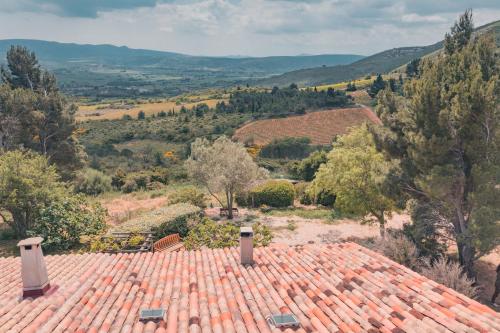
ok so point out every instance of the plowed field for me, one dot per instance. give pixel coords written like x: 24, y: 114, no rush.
x: 320, y: 126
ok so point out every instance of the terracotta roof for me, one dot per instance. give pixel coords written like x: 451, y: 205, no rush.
x: 330, y: 288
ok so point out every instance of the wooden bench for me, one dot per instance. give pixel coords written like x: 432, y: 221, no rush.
x: 170, y: 243
x: 225, y: 212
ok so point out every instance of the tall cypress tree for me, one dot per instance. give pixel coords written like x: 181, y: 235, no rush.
x: 445, y: 130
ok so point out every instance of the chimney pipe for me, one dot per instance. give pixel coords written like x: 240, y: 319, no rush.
x: 33, y: 271
x: 246, y: 245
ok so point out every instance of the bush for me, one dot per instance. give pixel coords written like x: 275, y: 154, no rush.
x: 451, y: 275
x: 213, y: 235
x: 307, y: 168
x: 157, y: 221
x: 129, y: 186
x: 63, y: 223
x: 302, y: 193
x: 397, y: 247
x: 273, y: 193
x: 92, y: 182
x: 189, y: 195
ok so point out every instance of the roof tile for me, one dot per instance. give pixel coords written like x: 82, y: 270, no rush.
x: 329, y: 288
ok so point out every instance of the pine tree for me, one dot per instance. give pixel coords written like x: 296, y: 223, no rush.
x: 446, y: 133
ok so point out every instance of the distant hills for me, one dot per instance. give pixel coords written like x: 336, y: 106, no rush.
x: 112, y: 71
x: 102, y: 71
x: 382, y: 62
x: 62, y: 55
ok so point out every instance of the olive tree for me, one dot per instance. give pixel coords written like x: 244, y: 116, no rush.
x: 223, y: 166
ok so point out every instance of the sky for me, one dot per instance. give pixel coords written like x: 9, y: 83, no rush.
x: 241, y: 27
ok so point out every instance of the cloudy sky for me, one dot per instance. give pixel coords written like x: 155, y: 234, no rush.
x: 241, y: 27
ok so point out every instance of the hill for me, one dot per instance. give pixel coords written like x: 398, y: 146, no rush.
x: 319, y: 126
x: 381, y: 62
x: 112, y: 71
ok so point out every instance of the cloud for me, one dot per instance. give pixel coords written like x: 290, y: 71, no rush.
x: 250, y: 27
x: 415, y: 18
x: 73, y: 8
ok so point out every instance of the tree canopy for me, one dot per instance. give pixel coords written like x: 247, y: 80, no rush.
x: 356, y: 172
x: 34, y: 114
x: 445, y: 131
x: 223, y: 166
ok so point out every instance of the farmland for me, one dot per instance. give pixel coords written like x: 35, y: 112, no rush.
x: 321, y: 126
x: 116, y: 110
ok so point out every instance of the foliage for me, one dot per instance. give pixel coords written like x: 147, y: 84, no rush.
x: 307, y: 168
x: 378, y: 84
x: 62, y: 223
x: 213, y: 235
x: 110, y: 243
x: 397, y: 247
x: 356, y: 173
x: 190, y: 195
x: 273, y: 193
x: 223, y: 166
x: 445, y: 131
x: 92, y: 182
x: 27, y: 184
x: 450, y: 274
x: 292, y: 148
x: 282, y: 101
x: 301, y: 193
x: 158, y: 219
x: 34, y: 114
x: 412, y: 68
x: 129, y: 186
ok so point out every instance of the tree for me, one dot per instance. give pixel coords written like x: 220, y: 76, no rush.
x: 27, y: 184
x: 377, y: 85
x: 34, y: 114
x: 63, y: 222
x: 141, y: 115
x: 307, y: 168
x: 223, y: 166
x: 446, y: 133
x: 356, y: 173
x: 412, y: 68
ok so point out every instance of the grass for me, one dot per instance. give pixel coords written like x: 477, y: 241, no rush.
x: 318, y: 213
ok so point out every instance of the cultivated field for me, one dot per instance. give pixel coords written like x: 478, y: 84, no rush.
x: 119, y: 109
x: 321, y: 126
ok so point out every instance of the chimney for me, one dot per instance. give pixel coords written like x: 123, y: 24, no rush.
x: 33, y: 271
x: 246, y: 245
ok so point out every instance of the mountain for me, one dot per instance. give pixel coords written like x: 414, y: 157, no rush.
x: 382, y: 62
x: 113, y: 71
x: 61, y: 55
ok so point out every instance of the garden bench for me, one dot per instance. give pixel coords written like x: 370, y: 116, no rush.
x: 169, y: 243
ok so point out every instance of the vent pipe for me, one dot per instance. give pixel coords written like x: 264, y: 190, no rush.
x: 246, y: 245
x: 33, y: 269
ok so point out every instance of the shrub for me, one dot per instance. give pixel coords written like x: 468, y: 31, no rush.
x: 302, y: 193
x: 397, y: 247
x: 273, y: 193
x: 129, y: 186
x: 189, y: 195
x: 213, y: 235
x: 63, y: 223
x: 158, y: 220
x: 450, y: 274
x: 118, y: 180
x: 92, y: 182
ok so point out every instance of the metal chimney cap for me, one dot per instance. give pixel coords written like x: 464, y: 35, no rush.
x: 246, y: 232
x: 30, y: 241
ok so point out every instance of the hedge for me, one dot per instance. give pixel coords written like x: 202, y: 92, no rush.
x: 163, y: 221
x: 273, y: 193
